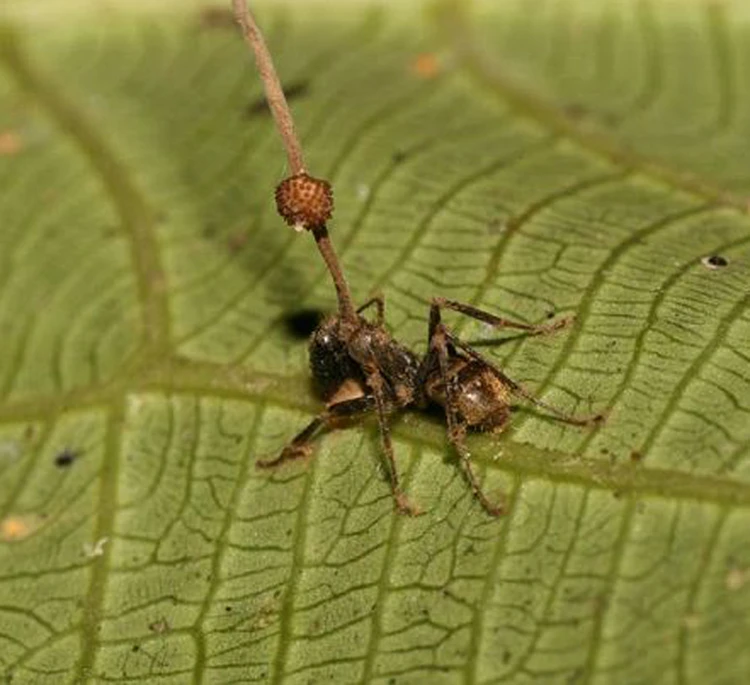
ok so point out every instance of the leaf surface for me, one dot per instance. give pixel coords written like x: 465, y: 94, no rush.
x: 581, y: 158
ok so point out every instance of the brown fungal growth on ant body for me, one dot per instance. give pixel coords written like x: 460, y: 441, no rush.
x: 358, y: 366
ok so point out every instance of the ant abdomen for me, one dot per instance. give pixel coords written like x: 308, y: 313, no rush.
x: 483, y: 401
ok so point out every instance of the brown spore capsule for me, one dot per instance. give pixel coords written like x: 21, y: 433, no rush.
x: 304, y: 201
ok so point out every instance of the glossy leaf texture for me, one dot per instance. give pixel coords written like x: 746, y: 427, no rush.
x: 578, y: 158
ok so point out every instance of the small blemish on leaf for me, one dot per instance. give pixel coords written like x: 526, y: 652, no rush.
x: 16, y: 528
x: 10, y: 450
x: 576, y: 110
x: 495, y: 226
x: 236, y: 241
x: 426, y: 66
x: 736, y: 578
x: 66, y: 457
x: 160, y: 626
x: 11, y: 143
x: 96, y: 549
x: 714, y: 262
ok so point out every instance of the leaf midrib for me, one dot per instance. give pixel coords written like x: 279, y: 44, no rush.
x: 623, y: 478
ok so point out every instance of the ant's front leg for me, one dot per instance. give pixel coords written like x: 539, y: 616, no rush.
x: 379, y: 302
x: 301, y: 446
x: 499, y: 322
x: 376, y: 383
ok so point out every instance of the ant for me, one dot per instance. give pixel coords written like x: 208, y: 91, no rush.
x: 357, y: 365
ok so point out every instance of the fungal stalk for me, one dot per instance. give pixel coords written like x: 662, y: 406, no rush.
x: 304, y: 202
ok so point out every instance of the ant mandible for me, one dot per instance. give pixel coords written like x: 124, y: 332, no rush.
x: 358, y: 366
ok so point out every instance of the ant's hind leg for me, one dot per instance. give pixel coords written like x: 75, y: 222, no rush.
x: 301, y: 446
x: 456, y: 429
x: 499, y: 322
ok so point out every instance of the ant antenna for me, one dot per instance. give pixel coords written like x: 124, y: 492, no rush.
x: 302, y: 201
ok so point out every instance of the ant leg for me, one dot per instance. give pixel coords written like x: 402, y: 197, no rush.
x: 300, y: 447
x: 456, y: 429
x: 428, y: 360
x: 498, y: 322
x: 379, y: 302
x: 376, y: 384
x: 521, y: 391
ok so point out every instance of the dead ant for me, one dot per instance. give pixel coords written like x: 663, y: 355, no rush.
x: 357, y: 365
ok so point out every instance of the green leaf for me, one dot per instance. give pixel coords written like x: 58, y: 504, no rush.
x: 568, y: 157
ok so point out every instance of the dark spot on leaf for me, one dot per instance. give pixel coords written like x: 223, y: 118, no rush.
x: 293, y: 91
x: 227, y: 609
x: 159, y: 627
x: 302, y: 323
x: 135, y: 648
x: 66, y: 458
x: 715, y: 261
x: 636, y: 456
x: 398, y: 156
x: 217, y: 18
x: 576, y: 110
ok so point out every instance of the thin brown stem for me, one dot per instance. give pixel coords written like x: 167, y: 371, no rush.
x: 284, y: 122
x: 323, y: 241
x: 274, y: 92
